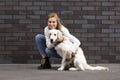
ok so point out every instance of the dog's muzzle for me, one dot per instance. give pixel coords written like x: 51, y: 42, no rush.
x: 51, y: 40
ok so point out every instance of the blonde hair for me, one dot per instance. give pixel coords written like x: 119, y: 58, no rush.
x: 59, y: 22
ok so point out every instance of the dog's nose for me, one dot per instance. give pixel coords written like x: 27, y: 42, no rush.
x: 51, y: 40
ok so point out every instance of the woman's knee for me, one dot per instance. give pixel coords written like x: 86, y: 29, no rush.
x: 51, y: 53
x: 39, y: 37
x: 48, y: 51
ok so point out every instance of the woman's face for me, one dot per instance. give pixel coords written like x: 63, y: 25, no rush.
x: 52, y: 23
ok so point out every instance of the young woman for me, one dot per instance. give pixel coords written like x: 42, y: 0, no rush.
x: 46, y: 49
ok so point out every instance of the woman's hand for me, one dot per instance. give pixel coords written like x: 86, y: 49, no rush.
x: 69, y: 55
x: 60, y: 38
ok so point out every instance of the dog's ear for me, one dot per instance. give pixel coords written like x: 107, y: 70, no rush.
x: 59, y: 34
x: 48, y: 34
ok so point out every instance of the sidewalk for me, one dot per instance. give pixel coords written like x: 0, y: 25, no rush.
x: 30, y: 72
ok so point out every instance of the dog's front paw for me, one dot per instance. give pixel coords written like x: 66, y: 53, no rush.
x: 60, y: 69
x: 73, y: 69
x: 106, y: 68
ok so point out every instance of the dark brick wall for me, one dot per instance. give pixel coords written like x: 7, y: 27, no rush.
x: 96, y: 23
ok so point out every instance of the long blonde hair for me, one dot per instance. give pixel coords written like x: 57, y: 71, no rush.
x: 59, y: 21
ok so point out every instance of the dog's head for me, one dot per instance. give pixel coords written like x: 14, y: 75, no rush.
x: 54, y: 35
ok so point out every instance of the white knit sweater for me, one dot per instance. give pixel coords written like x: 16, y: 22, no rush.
x: 73, y: 39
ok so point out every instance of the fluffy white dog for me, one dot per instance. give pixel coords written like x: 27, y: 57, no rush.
x: 79, y: 60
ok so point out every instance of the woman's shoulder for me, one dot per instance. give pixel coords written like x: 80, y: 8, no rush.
x: 64, y: 28
x: 46, y: 28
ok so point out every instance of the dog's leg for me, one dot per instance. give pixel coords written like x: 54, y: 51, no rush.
x: 62, y: 63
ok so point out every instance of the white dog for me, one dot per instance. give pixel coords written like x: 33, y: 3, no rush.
x: 79, y: 61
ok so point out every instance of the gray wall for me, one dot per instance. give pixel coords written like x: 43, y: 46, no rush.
x: 96, y: 23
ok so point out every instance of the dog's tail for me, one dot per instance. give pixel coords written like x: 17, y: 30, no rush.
x: 89, y: 67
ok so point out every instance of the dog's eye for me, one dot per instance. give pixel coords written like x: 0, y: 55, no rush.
x: 50, y: 33
x: 54, y: 34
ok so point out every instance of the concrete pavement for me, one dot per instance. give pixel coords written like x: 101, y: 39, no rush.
x: 30, y: 72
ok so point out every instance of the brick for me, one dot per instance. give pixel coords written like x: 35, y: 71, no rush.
x: 114, y: 0
x: 2, y: 3
x: 101, y: 35
x: 88, y: 0
x: 60, y: 8
x: 107, y: 30
x: 95, y: 57
x: 25, y: 3
x: 33, y: 16
x: 115, y: 35
x: 12, y: 3
x: 115, y: 17
x: 102, y: 0
x: 108, y: 4
x: 40, y: 3
x: 94, y: 3
x: 46, y: 7
x: 11, y: 48
x: 66, y: 12
x: 19, y: 34
x: 88, y: 8
x: 93, y: 21
x: 93, y: 48
x: 87, y: 35
x: 19, y: 8
x: 102, y: 44
x: 10, y: 38
x: 80, y: 30
x: 117, y: 30
x: 87, y: 44
x: 5, y: 7
x: 19, y: 16
x: 108, y: 22
x: 5, y: 25
x: 88, y: 17
x: 108, y: 57
x: 39, y: 12
x: 108, y: 13
x: 53, y: 3
x: 80, y: 21
x: 25, y: 21
x: 117, y: 39
x: 67, y: 3
x: 87, y: 26
x: 116, y: 26
x: 118, y: 57
x: 5, y: 16
x: 2, y: 48
x: 102, y: 17
x: 68, y: 21
x: 74, y: 8
x: 5, y: 34
x: 33, y: 8
x: 108, y: 39
x: 80, y: 3
x: 91, y: 39
x: 1, y: 21
x: 94, y: 31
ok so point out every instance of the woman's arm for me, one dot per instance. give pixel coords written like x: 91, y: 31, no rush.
x: 73, y: 39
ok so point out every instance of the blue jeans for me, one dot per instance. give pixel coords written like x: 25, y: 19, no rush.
x: 41, y: 45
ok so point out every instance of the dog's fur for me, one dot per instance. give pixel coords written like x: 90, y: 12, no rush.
x: 79, y: 62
